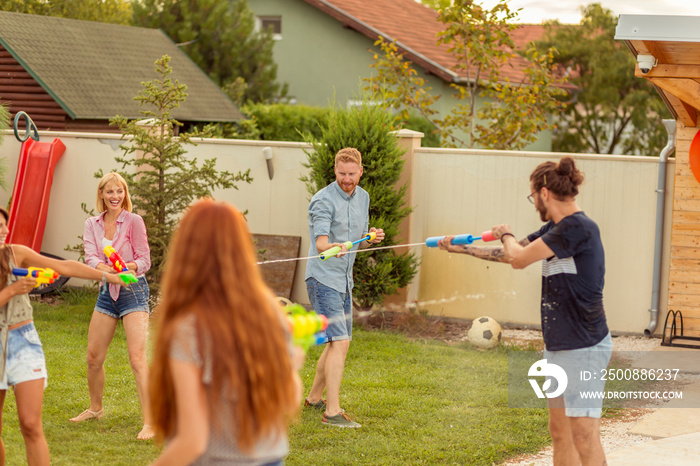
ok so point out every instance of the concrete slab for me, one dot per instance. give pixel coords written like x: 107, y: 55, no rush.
x: 675, y: 417
x: 668, y: 357
x: 666, y: 422
x: 681, y: 450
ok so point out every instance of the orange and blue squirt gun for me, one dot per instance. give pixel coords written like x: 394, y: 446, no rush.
x: 116, y: 260
x: 307, y: 327
x: 43, y: 276
x: 433, y: 241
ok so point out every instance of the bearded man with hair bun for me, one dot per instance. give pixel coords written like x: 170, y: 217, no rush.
x: 574, y: 326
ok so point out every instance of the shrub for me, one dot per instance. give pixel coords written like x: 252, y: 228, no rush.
x: 368, y: 129
x: 431, y: 134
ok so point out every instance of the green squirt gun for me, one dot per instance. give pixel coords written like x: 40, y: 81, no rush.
x: 306, y: 327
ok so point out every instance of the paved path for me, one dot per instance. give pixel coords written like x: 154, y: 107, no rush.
x: 675, y: 427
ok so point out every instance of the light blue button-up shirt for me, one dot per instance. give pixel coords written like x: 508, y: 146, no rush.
x: 341, y: 217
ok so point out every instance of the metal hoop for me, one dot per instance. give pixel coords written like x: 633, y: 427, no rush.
x: 29, y: 125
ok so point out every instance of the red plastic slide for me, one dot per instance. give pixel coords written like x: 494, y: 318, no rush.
x: 30, y: 196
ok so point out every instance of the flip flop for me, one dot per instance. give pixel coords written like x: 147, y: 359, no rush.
x: 88, y: 415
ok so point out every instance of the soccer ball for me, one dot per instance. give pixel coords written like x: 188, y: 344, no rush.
x: 485, y: 332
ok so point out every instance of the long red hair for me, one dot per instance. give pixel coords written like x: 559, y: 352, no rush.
x: 211, y: 272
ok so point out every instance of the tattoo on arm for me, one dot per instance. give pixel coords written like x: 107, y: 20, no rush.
x: 490, y: 253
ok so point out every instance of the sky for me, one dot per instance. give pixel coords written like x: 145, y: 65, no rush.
x: 568, y: 11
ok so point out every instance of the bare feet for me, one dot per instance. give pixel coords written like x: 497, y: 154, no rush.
x: 146, y: 433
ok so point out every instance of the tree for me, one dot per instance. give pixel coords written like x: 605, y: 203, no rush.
x: 104, y: 11
x: 4, y: 124
x: 162, y: 182
x: 368, y: 129
x: 4, y: 120
x: 613, y: 112
x: 436, y: 4
x: 513, y: 112
x: 220, y: 37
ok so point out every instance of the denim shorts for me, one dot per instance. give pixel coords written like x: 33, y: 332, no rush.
x: 593, y: 360
x: 131, y: 299
x: 25, y: 357
x: 336, y: 306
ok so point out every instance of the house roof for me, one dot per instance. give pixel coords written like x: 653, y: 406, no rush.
x: 94, y: 70
x: 673, y: 42
x: 414, y: 27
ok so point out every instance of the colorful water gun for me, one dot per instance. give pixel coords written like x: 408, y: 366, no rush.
x: 307, y: 327
x: 116, y: 260
x: 128, y: 278
x: 119, y: 265
x: 432, y: 242
x: 372, y: 235
x: 43, y: 276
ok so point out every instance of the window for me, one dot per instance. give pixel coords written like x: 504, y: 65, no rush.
x: 264, y: 23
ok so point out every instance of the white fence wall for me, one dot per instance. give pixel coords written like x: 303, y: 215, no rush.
x: 461, y: 191
x: 454, y: 191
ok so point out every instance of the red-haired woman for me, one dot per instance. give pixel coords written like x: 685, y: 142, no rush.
x: 223, y: 379
x: 22, y: 362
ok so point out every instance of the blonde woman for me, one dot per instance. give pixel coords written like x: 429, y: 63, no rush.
x: 125, y: 231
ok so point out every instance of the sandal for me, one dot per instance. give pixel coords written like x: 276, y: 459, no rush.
x: 88, y: 415
x: 146, y: 433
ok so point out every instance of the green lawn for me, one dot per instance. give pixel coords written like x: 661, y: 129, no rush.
x: 112, y: 440
x: 419, y: 402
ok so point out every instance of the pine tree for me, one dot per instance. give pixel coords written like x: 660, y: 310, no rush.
x: 368, y: 129
x: 4, y: 120
x: 162, y: 182
x: 4, y: 124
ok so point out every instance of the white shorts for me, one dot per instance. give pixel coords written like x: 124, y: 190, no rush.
x: 591, y: 360
x: 25, y: 357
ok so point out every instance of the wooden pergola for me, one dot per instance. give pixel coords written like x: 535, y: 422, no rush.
x: 667, y: 49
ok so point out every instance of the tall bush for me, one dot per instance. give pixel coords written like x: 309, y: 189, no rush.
x: 368, y: 129
x: 285, y: 122
x: 431, y: 135
x: 275, y: 122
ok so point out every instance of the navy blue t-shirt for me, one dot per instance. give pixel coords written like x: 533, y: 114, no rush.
x: 572, y: 284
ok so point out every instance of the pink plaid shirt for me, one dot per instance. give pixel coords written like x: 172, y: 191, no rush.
x: 130, y: 241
